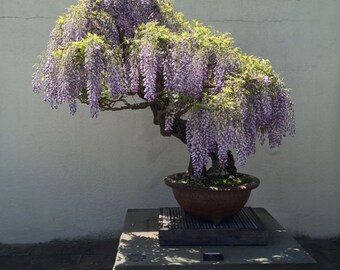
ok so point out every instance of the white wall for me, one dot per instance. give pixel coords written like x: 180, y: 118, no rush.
x: 63, y: 176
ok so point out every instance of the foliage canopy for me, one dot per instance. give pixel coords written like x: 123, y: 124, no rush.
x: 200, y: 88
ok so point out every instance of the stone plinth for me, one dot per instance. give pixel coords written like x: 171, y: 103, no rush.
x: 139, y: 249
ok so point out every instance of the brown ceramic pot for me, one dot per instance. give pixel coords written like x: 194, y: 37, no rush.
x: 210, y: 203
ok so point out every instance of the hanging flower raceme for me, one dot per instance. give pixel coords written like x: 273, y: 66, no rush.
x: 200, y: 139
x: 148, y: 68
x: 51, y: 83
x: 94, y: 66
x: 132, y: 70
x: 223, y: 66
x: 116, y: 80
x: 72, y: 78
x: 186, y: 70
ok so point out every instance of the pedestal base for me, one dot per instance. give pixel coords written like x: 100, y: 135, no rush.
x: 176, y: 228
x: 139, y: 249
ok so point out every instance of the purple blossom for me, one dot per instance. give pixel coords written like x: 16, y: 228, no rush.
x: 222, y: 68
x: 168, y: 73
x: 75, y: 27
x: 115, y: 79
x: 266, y: 107
x: 148, y: 68
x: 283, y: 118
x: 169, y: 121
x: 132, y: 13
x: 226, y: 139
x: 250, y: 132
x: 72, y: 106
x: 94, y: 65
x: 37, y: 78
x: 266, y: 81
x: 72, y: 79
x: 133, y: 73
x: 200, y: 139
x: 85, y: 18
x: 105, y: 26
x: 195, y: 144
x: 185, y: 71
x: 108, y: 5
x: 56, y: 39
x: 159, y: 61
x: 199, y: 75
x: 51, y: 82
x: 181, y: 61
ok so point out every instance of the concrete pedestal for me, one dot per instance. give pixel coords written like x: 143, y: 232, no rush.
x: 139, y: 249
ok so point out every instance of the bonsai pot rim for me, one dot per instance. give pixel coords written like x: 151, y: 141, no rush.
x: 252, y: 183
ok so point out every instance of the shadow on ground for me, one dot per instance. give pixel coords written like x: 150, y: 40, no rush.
x: 60, y: 255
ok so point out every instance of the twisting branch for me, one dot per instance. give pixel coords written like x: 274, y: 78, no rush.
x: 183, y: 111
x: 136, y: 106
x: 105, y: 105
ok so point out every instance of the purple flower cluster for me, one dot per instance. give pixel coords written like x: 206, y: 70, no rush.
x: 169, y: 121
x: 184, y: 70
x: 148, y: 69
x: 94, y: 66
x: 75, y: 28
x: 62, y: 78
x: 114, y: 20
x: 130, y: 14
x: 104, y: 25
x: 72, y: 79
x: 115, y: 79
x: 282, y: 120
x: 200, y: 139
x: 267, y: 112
x: 168, y: 72
x: 87, y: 17
x: 132, y: 73
x: 51, y: 83
x: 222, y: 67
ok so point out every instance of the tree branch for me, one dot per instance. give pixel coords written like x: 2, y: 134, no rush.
x: 183, y: 111
x: 136, y: 106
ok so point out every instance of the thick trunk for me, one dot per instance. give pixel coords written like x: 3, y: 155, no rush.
x: 215, y: 166
x: 179, y: 126
x: 179, y: 131
x: 229, y: 167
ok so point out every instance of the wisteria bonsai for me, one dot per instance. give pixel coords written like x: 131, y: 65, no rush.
x: 200, y: 88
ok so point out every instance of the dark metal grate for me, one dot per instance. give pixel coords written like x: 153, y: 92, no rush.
x: 176, y: 228
x: 171, y: 218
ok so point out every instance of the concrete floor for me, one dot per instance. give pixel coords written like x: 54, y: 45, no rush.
x: 100, y: 254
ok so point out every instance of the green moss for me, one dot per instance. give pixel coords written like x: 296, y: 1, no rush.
x: 219, y: 181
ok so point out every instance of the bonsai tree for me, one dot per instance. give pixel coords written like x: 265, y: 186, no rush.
x: 200, y: 88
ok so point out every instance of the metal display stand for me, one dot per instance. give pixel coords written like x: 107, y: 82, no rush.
x: 176, y: 228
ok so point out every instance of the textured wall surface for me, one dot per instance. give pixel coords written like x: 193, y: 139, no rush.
x: 63, y: 176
